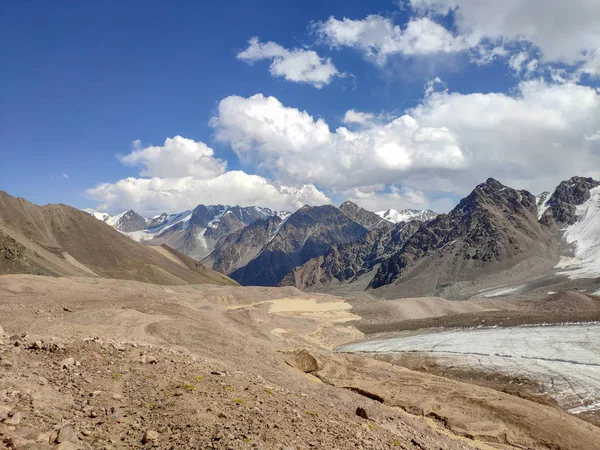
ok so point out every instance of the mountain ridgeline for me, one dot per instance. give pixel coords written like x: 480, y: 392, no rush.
x: 495, y: 236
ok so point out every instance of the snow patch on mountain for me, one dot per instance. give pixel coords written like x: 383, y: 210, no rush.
x: 406, y: 215
x: 542, y: 202
x: 171, y: 221
x: 584, y: 236
x: 102, y: 217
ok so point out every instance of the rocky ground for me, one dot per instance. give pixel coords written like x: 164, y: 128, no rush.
x: 92, y: 363
x: 92, y: 394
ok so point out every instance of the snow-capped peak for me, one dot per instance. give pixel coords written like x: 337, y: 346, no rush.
x: 405, y: 215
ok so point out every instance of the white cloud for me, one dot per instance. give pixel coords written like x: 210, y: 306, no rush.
x: 296, y: 146
x: 177, y: 157
x: 64, y: 175
x: 531, y: 139
x: 563, y: 31
x: 298, y: 65
x: 183, y: 173
x: 353, y: 116
x: 378, y: 38
x: 432, y: 85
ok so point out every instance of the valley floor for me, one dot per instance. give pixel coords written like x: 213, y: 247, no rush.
x: 97, y: 363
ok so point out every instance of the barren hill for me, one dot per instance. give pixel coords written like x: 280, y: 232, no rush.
x: 59, y: 240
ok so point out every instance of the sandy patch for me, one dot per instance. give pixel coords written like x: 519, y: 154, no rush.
x: 77, y: 264
x: 167, y: 253
x: 306, y: 305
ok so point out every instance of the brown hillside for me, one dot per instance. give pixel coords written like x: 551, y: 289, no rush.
x: 60, y: 240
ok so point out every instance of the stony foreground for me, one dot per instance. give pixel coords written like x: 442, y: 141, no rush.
x: 91, y: 363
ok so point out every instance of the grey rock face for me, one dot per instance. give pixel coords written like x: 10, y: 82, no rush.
x: 307, y: 233
x: 566, y: 197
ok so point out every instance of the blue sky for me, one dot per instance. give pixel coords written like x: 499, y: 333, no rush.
x: 514, y: 99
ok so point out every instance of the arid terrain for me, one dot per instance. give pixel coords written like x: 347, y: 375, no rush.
x: 98, y: 363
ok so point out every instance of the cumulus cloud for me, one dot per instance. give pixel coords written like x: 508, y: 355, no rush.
x: 177, y: 157
x: 64, y: 175
x: 353, y: 116
x: 531, y: 138
x: 298, y: 65
x: 296, y: 146
x: 564, y: 32
x: 183, y: 173
x: 378, y: 38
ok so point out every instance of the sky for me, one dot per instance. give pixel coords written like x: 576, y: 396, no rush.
x: 160, y: 106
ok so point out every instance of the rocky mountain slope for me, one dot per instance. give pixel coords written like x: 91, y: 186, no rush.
x: 367, y: 219
x: 496, y: 235
x: 59, y: 240
x: 307, y: 233
x: 242, y: 246
x: 194, y: 233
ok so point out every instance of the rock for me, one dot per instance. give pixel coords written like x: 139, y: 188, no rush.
x: 66, y: 434
x: 216, y: 372
x: 4, y: 411
x: 66, y: 363
x: 67, y: 309
x: 360, y: 412
x: 148, y: 359
x: 39, y: 446
x: 150, y: 436
x: 118, y: 396
x: 66, y: 446
x: 6, y: 364
x: 302, y: 360
x: 14, y: 420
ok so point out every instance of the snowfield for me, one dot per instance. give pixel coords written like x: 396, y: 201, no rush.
x: 584, y: 236
x: 564, y: 359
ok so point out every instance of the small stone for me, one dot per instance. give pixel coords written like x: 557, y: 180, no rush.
x: 95, y: 393
x: 1, y: 331
x: 42, y: 381
x: 5, y: 363
x: 67, y: 309
x: 14, y: 420
x: 118, y: 396
x: 148, y: 359
x: 86, y: 432
x: 150, y: 436
x: 66, y: 446
x: 4, y: 410
x: 216, y: 372
x: 65, y: 363
x: 66, y: 434
x: 361, y: 412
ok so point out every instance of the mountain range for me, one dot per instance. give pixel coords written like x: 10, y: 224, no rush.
x: 497, y: 239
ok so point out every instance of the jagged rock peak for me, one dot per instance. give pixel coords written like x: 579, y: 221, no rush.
x: 561, y: 206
